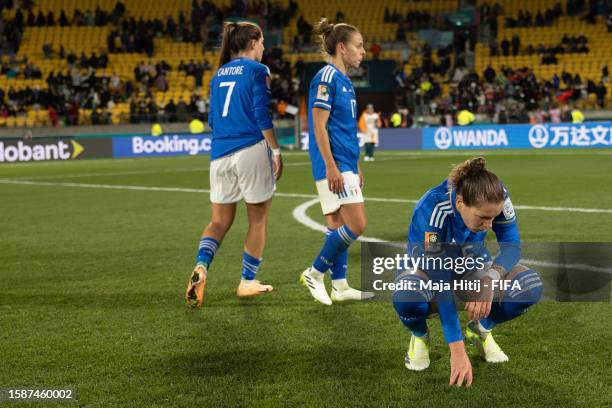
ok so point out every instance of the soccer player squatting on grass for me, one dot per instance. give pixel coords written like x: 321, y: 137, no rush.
x: 460, y: 211
x: 334, y: 153
x: 245, y: 156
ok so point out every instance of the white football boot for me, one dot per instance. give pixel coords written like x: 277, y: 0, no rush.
x: 484, y: 342
x: 313, y: 280
x: 342, y: 292
x: 417, y: 357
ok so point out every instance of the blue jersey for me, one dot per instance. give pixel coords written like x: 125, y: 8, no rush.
x: 331, y: 90
x: 239, y: 98
x: 436, y: 222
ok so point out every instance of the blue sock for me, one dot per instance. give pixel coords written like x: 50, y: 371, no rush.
x: 517, y: 301
x: 206, y: 251
x: 412, y: 306
x: 250, y: 265
x: 335, y: 243
x: 338, y: 269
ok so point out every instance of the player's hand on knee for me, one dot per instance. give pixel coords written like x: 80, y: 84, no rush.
x: 461, y: 367
x: 334, y: 179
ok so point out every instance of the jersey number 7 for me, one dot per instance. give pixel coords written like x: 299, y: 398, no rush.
x: 230, y: 85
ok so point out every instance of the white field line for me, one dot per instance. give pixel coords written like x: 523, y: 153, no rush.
x: 287, y: 195
x: 299, y: 213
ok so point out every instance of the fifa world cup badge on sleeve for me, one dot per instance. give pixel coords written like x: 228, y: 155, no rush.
x: 432, y: 240
x: 323, y: 93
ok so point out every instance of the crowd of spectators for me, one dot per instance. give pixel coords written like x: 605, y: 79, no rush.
x: 507, y: 96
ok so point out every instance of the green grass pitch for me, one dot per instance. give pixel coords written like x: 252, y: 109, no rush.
x: 92, y: 282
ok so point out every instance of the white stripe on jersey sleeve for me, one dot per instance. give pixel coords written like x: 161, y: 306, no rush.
x: 331, y: 76
x: 317, y: 103
x: 324, y: 74
x: 436, y: 209
x: 441, y: 223
x: 441, y: 211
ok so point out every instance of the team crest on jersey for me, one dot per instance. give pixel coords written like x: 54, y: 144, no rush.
x: 323, y: 93
x: 432, y: 241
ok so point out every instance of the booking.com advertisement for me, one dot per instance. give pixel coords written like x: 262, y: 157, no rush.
x: 545, y: 136
x: 167, y: 145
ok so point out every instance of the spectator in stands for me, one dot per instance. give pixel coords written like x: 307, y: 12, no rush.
x: 489, y: 74
x: 47, y: 50
x: 600, y: 92
x: 493, y: 47
x: 505, y: 46
x: 375, y: 49
x: 516, y: 44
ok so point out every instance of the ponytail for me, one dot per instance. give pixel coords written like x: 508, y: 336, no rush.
x: 475, y: 183
x: 236, y: 38
x: 330, y: 35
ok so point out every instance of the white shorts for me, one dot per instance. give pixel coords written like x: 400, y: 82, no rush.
x: 246, y: 174
x: 331, y: 202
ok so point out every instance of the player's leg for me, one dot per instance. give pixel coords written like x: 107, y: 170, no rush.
x: 341, y: 291
x: 256, y: 180
x: 221, y: 221
x: 525, y: 291
x: 224, y: 194
x: 368, y: 151
x: 352, y: 212
x: 413, y: 306
x: 253, y: 250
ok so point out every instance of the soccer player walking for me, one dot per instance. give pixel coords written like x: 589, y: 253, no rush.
x: 334, y: 153
x: 369, y: 122
x: 460, y: 211
x: 245, y: 156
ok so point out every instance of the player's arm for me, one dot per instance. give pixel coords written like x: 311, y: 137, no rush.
x: 334, y: 178
x: 427, y: 230
x: 324, y: 93
x: 211, y: 104
x: 505, y: 226
x: 261, y: 111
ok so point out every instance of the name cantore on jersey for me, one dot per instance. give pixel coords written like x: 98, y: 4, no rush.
x: 230, y: 70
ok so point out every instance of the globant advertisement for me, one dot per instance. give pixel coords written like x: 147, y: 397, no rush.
x: 544, y: 136
x: 15, y: 150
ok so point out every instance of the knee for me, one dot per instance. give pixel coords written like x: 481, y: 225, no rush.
x: 358, y: 227
x: 412, y: 301
x: 526, y: 289
x: 221, y: 225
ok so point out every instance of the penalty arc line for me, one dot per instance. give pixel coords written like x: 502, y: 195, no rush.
x: 299, y: 213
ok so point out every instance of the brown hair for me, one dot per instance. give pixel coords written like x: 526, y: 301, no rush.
x: 475, y: 183
x: 330, y: 35
x: 236, y: 37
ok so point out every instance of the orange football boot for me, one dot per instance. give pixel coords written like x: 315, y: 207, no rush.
x: 252, y: 288
x: 195, y: 287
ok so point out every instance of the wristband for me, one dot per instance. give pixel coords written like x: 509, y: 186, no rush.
x: 493, y: 274
x: 276, y: 152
